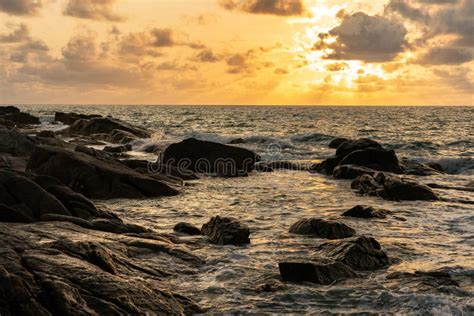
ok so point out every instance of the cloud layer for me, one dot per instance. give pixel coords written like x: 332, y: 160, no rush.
x: 93, y: 9
x: 20, y: 7
x: 274, y: 7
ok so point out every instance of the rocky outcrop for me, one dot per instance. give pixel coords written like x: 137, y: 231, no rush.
x: 420, y: 169
x: 393, y: 188
x: 336, y: 142
x: 360, y: 253
x: 361, y: 211
x: 71, y: 118
x: 63, y: 269
x: 322, y: 229
x: 150, y: 168
x: 8, y: 110
x: 117, y: 149
x: 187, y: 229
x: 209, y: 157
x: 95, y: 177
x: 15, y: 143
x: 351, y: 171
x: 226, y: 231
x: 320, y: 272
x: 46, y: 134
x: 12, y: 116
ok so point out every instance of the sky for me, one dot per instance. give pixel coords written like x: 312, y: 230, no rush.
x: 262, y: 52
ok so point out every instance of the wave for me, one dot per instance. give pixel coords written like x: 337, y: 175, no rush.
x: 415, y: 145
x: 312, y: 137
x: 454, y: 165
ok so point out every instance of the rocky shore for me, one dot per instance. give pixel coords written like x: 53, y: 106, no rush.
x: 64, y: 255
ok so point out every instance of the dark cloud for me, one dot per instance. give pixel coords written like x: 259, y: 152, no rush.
x: 364, y: 37
x: 457, y: 78
x: 92, y: 9
x: 20, y: 7
x: 162, y: 37
x: 20, y: 34
x: 274, y: 7
x: 207, y: 56
x: 446, y: 56
x: 405, y: 9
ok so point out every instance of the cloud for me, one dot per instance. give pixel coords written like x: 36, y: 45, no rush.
x: 364, y: 37
x: 207, y: 56
x: 336, y: 66
x: 273, y: 7
x: 20, y: 34
x: 446, y: 56
x: 93, y: 10
x: 21, y: 7
x: 281, y: 71
x: 457, y: 78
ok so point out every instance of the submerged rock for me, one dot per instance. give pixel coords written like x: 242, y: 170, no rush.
x: 373, y: 158
x: 71, y: 118
x: 226, y: 231
x: 321, y: 228
x: 209, y: 157
x: 360, y: 253
x: 336, y: 142
x: 322, y: 272
x: 95, y: 177
x: 351, y: 171
x: 187, y: 229
x: 361, y: 211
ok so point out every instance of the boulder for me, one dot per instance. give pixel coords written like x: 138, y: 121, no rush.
x: 187, y: 229
x: 209, y: 157
x: 71, y: 118
x: 321, y: 228
x: 360, y: 253
x: 336, y: 142
x: 15, y: 143
x: 419, y: 169
x: 361, y: 211
x: 8, y: 124
x: 349, y: 146
x: 150, y: 168
x: 118, y: 149
x: 95, y: 177
x: 226, y: 231
x: 351, y: 171
x: 393, y: 188
x: 323, y: 272
x: 8, y: 110
x: 47, y: 134
x: 21, y: 118
x: 373, y: 158
x: 13, y: 163
x: 106, y: 125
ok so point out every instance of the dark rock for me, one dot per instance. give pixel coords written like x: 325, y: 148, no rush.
x: 11, y: 215
x: 436, y: 166
x: 336, y: 142
x: 349, y: 146
x: 95, y: 177
x: 71, y: 118
x: 393, y: 188
x: 152, y: 148
x: 16, y: 143
x: 360, y: 253
x: 209, y: 157
x: 153, y: 168
x: 326, y: 166
x: 106, y: 125
x: 118, y: 136
x: 47, y: 134
x: 8, y: 124
x: 321, y: 228
x: 419, y: 169
x: 187, y: 229
x: 237, y: 141
x: 13, y: 163
x: 361, y: 211
x: 322, y: 272
x: 351, y: 171
x: 226, y: 231
x: 373, y: 158
x: 8, y: 110
x: 21, y: 118
x: 118, y: 149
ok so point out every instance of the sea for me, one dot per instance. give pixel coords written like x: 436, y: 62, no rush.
x: 423, y: 236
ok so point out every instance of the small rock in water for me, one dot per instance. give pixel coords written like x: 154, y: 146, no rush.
x: 321, y: 272
x: 336, y: 142
x: 361, y: 211
x: 351, y: 171
x: 226, y: 231
x: 47, y: 134
x: 118, y: 149
x: 187, y: 228
x: 321, y: 228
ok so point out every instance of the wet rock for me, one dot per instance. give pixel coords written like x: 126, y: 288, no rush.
x: 270, y: 286
x: 71, y: 118
x: 373, y: 158
x: 47, y: 134
x: 351, y: 171
x: 326, y: 166
x: 418, y: 169
x: 226, y: 231
x: 21, y: 118
x: 360, y: 253
x: 118, y: 149
x: 13, y: 163
x: 421, y: 281
x: 237, y: 141
x: 8, y: 110
x: 10, y: 215
x: 209, y: 157
x: 321, y: 228
x: 361, y: 211
x: 95, y: 177
x: 336, y: 142
x: 436, y: 166
x: 323, y: 272
x: 149, y: 168
x: 187, y: 229
x: 118, y: 136
x: 393, y: 188
x: 349, y: 146
x: 15, y: 143
x: 6, y: 123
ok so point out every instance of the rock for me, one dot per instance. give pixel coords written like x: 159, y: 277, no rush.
x: 209, y: 157
x: 16, y: 143
x: 21, y: 118
x: 150, y: 168
x: 419, y: 169
x: 323, y: 272
x: 187, y: 229
x: 8, y: 110
x: 226, y: 231
x: 436, y: 166
x: 361, y: 211
x: 349, y: 146
x: 270, y: 286
x: 351, y: 171
x: 421, y: 281
x: 63, y: 269
x: 71, y: 118
x: 118, y: 149
x: 237, y: 141
x: 8, y: 124
x: 360, y: 253
x: 118, y: 136
x: 152, y: 148
x: 47, y: 134
x: 13, y: 163
x: 373, y: 158
x: 393, y: 188
x: 321, y: 228
x: 95, y: 177
x: 11, y: 215
x: 326, y: 166
x: 336, y: 142
x: 117, y: 130
x: 26, y: 197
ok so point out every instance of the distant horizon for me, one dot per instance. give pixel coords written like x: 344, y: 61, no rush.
x: 238, y: 105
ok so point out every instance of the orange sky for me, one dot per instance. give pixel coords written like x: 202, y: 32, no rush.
x: 309, y: 52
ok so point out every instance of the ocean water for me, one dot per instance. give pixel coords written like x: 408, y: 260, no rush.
x: 422, y: 236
